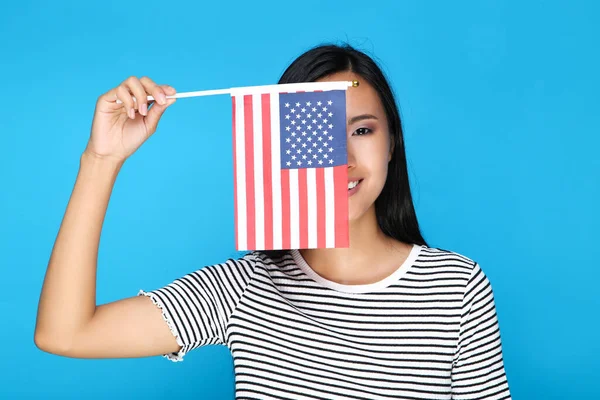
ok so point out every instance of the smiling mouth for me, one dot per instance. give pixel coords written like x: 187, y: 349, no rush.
x: 353, y: 184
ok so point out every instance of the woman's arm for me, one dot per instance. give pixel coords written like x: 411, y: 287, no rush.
x: 68, y: 321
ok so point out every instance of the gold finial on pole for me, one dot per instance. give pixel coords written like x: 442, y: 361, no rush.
x: 354, y: 83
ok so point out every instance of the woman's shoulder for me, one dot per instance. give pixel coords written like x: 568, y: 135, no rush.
x: 444, y: 260
x: 439, y: 254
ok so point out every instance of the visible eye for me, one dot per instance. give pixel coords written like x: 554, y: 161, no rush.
x: 362, y: 131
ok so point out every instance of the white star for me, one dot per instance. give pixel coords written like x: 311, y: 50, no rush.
x: 304, y: 156
x: 293, y: 122
x: 314, y: 156
x: 319, y: 103
x: 304, y: 121
x: 331, y: 161
x: 308, y: 115
x: 293, y: 157
x: 309, y: 162
x: 293, y: 110
x: 299, y: 151
x: 314, y: 121
x: 309, y: 127
x: 308, y: 103
x: 324, y: 108
x: 287, y: 105
x: 303, y: 144
x: 314, y: 109
x: 303, y: 133
x: 315, y: 144
x: 330, y: 114
x: 298, y: 127
x: 287, y: 116
x: 298, y: 116
x: 324, y: 132
x: 298, y: 140
x: 325, y: 156
x: 299, y: 163
x: 325, y: 144
x: 320, y: 150
x: 293, y: 145
x: 297, y: 104
x: 288, y: 151
x: 330, y: 126
x: 330, y: 149
x: 309, y: 150
x: 288, y: 163
x: 330, y: 137
x: 303, y: 109
x: 288, y: 140
x: 287, y: 128
x: 330, y: 102
x: 309, y: 139
x: 293, y: 133
x: 320, y: 138
x: 320, y: 162
x: 319, y: 115
x: 320, y: 126
x: 315, y: 132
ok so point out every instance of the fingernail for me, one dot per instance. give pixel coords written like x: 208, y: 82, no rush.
x: 162, y: 100
x: 144, y: 109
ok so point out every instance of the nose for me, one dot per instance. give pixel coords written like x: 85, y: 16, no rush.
x: 351, y: 154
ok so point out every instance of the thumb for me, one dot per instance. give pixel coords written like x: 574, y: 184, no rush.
x: 157, y: 110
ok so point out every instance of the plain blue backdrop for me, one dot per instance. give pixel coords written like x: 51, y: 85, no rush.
x: 500, y: 105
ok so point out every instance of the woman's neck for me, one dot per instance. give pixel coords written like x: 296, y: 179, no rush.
x: 371, y: 256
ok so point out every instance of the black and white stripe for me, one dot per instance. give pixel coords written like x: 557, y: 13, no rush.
x: 429, y: 331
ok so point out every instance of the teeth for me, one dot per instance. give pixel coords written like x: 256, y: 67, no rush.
x: 352, y: 185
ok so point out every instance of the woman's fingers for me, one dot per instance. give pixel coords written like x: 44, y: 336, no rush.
x: 158, y: 109
x: 154, y: 90
x: 139, y: 92
x: 124, y: 94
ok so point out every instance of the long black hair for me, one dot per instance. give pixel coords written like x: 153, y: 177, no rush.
x: 394, y: 207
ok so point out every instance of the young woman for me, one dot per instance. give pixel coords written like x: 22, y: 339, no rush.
x: 389, y: 317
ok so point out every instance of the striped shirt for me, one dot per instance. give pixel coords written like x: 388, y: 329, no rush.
x: 427, y: 331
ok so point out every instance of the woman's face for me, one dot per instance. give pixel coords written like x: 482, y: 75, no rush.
x: 369, y: 149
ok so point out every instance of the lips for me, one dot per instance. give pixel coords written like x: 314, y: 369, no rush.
x: 353, y: 185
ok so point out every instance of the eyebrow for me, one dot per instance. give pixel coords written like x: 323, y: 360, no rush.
x: 360, y: 118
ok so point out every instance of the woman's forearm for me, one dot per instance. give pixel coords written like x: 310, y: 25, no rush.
x: 68, y: 297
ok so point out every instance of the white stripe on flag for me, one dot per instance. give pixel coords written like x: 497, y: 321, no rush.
x: 276, y: 176
x: 259, y: 196
x: 329, y: 208
x: 294, y: 210
x: 311, y: 183
x: 240, y: 152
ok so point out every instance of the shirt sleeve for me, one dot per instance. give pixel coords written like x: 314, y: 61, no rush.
x: 478, y: 367
x: 197, y: 306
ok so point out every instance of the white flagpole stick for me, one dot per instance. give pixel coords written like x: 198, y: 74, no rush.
x: 265, y: 88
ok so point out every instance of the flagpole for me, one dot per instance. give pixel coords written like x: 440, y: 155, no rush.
x: 338, y: 85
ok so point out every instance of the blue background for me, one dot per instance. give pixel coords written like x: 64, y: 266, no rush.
x: 500, y: 105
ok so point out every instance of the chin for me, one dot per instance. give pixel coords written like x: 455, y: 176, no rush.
x: 355, y: 215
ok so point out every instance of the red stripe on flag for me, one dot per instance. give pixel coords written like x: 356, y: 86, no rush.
x: 321, y: 227
x: 249, y: 136
x: 235, y: 199
x: 303, y: 202
x: 285, y: 209
x: 267, y: 173
x: 340, y: 177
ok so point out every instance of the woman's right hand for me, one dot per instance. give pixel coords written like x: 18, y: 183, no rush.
x: 119, y: 129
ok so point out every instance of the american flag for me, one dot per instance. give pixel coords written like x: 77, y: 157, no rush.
x: 290, y: 170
